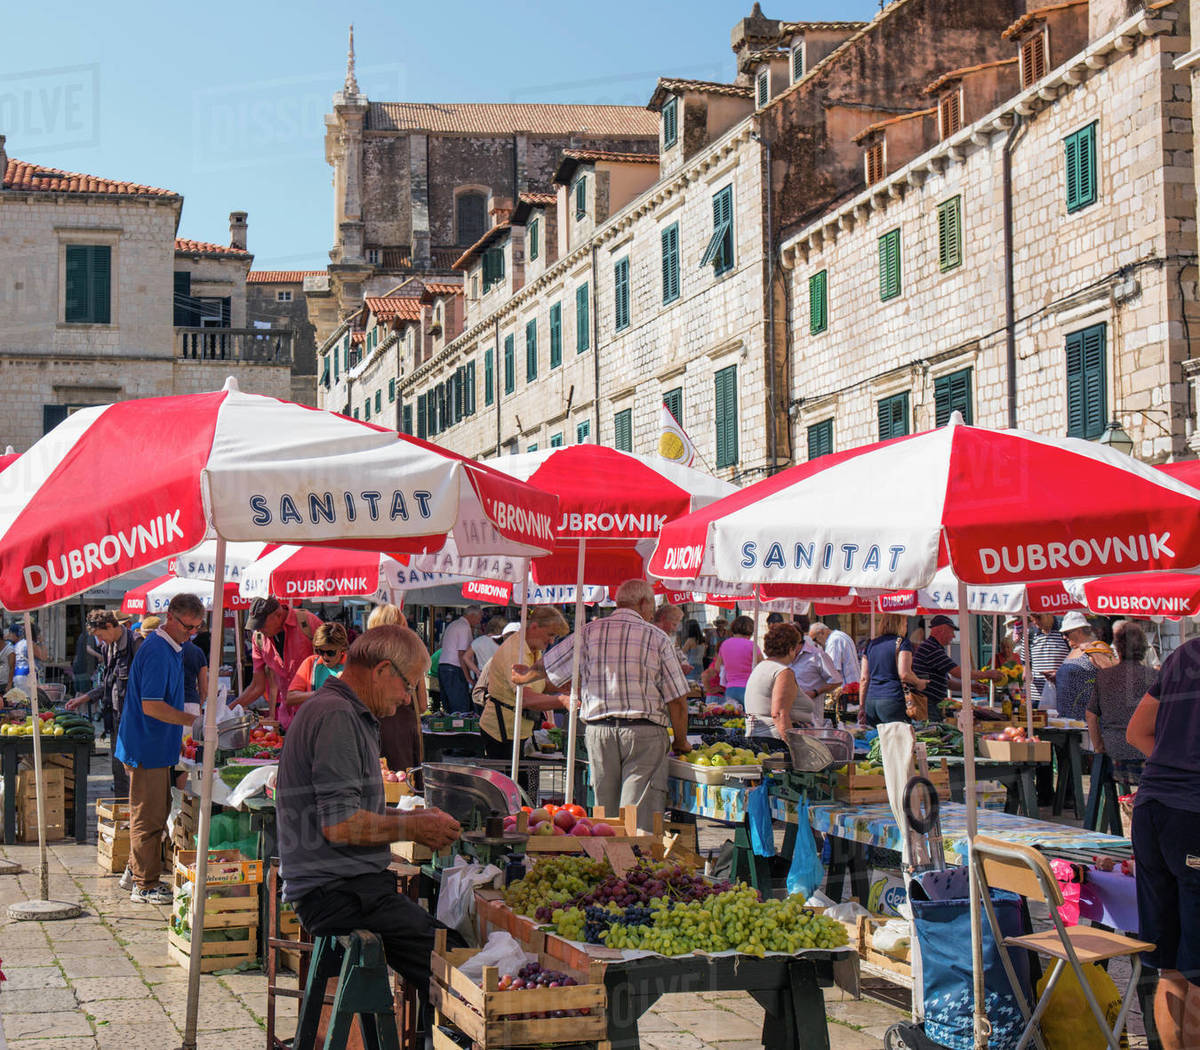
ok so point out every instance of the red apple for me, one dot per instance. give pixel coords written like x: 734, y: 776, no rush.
x: 564, y: 820
x: 603, y: 830
x: 581, y: 830
x: 557, y: 830
x: 538, y: 815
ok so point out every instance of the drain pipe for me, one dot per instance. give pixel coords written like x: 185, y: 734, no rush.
x: 497, y: 372
x: 596, y: 343
x: 1010, y: 310
x: 773, y: 433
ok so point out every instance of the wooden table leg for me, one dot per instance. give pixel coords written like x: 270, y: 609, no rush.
x: 1028, y: 791
x: 811, y: 1031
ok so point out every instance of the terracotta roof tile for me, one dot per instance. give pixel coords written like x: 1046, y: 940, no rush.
x: 767, y: 55
x: 204, y: 248
x: 394, y: 308
x: 1030, y: 17
x: 880, y: 125
x: 505, y: 118
x: 610, y: 156
x: 281, y: 276
x: 958, y: 74
x: 19, y: 175
x: 357, y: 337
x: 788, y: 28
x: 438, y: 288
x: 539, y: 200
x: 673, y: 85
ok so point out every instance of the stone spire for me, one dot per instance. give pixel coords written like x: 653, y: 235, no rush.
x: 351, y: 87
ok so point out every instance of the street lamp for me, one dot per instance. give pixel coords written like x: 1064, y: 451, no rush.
x: 1114, y: 437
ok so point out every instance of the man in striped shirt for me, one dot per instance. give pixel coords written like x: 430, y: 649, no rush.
x: 1047, y: 650
x: 631, y: 690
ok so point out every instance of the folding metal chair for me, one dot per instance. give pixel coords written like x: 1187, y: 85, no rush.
x: 1025, y: 871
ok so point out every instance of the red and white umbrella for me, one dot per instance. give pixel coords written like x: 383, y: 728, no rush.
x: 155, y: 596
x: 235, y: 466
x: 200, y: 563
x: 997, y: 506
x: 501, y: 592
x: 1170, y: 594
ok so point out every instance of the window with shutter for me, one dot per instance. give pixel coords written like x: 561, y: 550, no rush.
x: 531, y: 351
x: 391, y: 391
x: 949, y: 217
x: 797, y: 61
x: 325, y: 374
x: 621, y: 294
x: 406, y: 420
x: 583, y: 325
x: 1087, y: 388
x: 623, y: 430
x: 367, y: 409
x: 471, y: 218
x: 764, y: 88
x: 581, y: 198
x: 1033, y: 59
x: 583, y: 431
x: 670, y: 263
x: 87, y: 297
x: 670, y: 122
x: 874, y: 160
x: 952, y: 394
x: 510, y: 365
x: 531, y: 448
x: 725, y: 382
x: 469, y: 391
x: 820, y: 439
x: 818, y: 306
x: 336, y: 366
x: 556, y: 440
x: 673, y: 399
x: 534, y: 233
x: 489, y: 376
x: 1080, y: 149
x: 378, y: 401
x: 893, y: 416
x: 720, y: 246
x: 950, y: 112
x: 356, y: 413
x: 493, y: 268
x: 422, y: 416
x: 556, y: 335
x: 889, y: 265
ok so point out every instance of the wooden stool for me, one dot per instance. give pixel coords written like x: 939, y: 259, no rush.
x: 364, y: 990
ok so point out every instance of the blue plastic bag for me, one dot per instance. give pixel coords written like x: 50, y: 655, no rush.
x: 758, y: 812
x: 943, y: 929
x: 806, y: 873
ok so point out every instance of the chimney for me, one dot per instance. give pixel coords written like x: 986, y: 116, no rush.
x: 237, y: 230
x: 501, y: 210
x: 3, y: 157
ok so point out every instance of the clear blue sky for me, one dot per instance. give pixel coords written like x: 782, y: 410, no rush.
x: 224, y: 102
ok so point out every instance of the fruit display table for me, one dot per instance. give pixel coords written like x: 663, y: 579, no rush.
x: 14, y: 748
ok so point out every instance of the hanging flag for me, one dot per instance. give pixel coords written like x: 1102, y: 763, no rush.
x: 673, y: 442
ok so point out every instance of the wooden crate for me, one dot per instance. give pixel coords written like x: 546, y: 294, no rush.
x: 225, y: 867
x: 230, y: 906
x: 627, y: 832
x: 491, y: 1018
x: 54, y: 814
x: 216, y: 955
x: 856, y: 787
x: 187, y: 822
x: 901, y: 965
x: 112, y: 834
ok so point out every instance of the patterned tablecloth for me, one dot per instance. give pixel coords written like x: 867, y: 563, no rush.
x: 714, y: 801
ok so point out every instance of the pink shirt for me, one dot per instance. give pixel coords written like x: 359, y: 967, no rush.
x: 737, y: 658
x: 297, y: 647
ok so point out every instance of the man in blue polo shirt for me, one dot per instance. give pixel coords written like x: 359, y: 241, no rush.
x: 149, y: 740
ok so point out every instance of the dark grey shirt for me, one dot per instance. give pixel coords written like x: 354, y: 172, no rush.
x: 328, y: 771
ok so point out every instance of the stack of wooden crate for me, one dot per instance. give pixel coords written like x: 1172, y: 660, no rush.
x: 183, y: 835
x: 230, y: 909
x: 112, y: 834
x: 53, y: 804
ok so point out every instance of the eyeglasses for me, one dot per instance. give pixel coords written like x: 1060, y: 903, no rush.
x: 327, y: 652
x: 403, y: 677
x: 189, y: 626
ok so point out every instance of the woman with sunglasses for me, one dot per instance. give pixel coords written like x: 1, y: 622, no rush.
x: 330, y: 643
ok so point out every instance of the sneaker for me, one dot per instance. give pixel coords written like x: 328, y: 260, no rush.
x: 159, y: 894
x: 126, y: 879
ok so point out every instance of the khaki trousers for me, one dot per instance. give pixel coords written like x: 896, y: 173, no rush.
x: 629, y: 768
x: 149, y: 807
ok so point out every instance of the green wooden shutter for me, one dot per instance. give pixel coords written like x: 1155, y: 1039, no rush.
x: 367, y: 409
x: 720, y: 246
x: 581, y: 198
x: 583, y: 431
x: 725, y: 382
x: 951, y: 394
x: 556, y: 440
x: 406, y: 424
x: 893, y: 416
x: 510, y: 365
x: 623, y: 430
x: 531, y: 353
x: 583, y: 325
x: 670, y: 121
x: 673, y: 399
x: 489, y: 376
x: 621, y: 294
x: 950, y: 233
x: 670, y: 263
x: 422, y: 416
x: 556, y: 335
x: 88, y: 284
x: 391, y: 391
x: 100, y: 291
x: 818, y: 306
x: 75, y: 306
x: 533, y: 240
x: 469, y: 394
x: 889, y: 265
x: 378, y: 401
x: 820, y: 439
x: 1080, y: 149
x: 1087, y: 393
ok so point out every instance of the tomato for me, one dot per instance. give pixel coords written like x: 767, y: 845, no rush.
x: 552, y: 809
x: 526, y: 809
x: 576, y: 811
x: 264, y: 754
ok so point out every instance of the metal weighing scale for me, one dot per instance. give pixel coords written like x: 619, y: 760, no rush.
x: 479, y: 799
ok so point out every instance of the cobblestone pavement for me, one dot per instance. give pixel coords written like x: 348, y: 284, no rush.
x: 105, y: 982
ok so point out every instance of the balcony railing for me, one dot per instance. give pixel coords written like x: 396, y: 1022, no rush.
x: 259, y: 346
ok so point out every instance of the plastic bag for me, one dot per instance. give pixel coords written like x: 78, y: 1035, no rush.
x: 847, y: 911
x: 456, y: 899
x: 758, y: 813
x: 1068, y: 1023
x: 806, y: 872
x: 502, y: 951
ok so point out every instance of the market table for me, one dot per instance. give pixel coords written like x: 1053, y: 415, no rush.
x: 13, y: 748
x: 1019, y: 778
x: 1068, y: 754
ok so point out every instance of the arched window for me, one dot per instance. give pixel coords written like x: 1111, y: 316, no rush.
x: 471, y: 218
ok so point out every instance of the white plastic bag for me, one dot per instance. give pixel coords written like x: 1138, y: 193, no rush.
x: 502, y: 951
x: 893, y: 937
x: 847, y: 912
x: 456, y: 898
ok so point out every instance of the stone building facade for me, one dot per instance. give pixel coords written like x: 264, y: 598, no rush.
x: 1025, y: 262
x: 88, y: 301
x: 277, y: 298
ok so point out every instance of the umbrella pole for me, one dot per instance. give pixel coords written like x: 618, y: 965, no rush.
x: 206, y: 775
x: 516, y: 759
x: 1027, y: 672
x: 238, y: 656
x: 43, y: 908
x: 573, y: 719
x: 995, y: 649
x: 982, y: 1028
